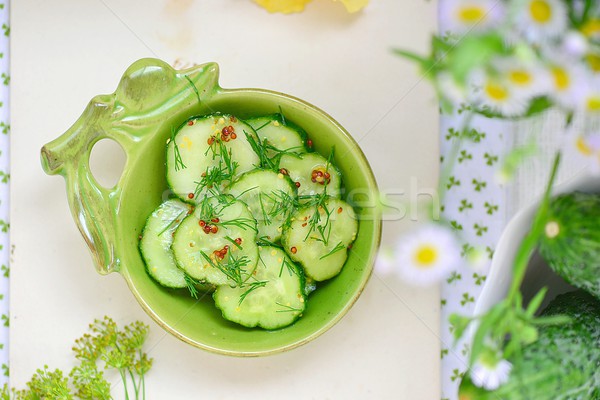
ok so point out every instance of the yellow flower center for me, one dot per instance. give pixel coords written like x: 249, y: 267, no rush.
x: 541, y: 11
x: 583, y: 147
x: 552, y: 229
x: 496, y: 91
x: 591, y: 27
x: 593, y: 104
x: 520, y: 77
x: 425, y: 256
x: 594, y: 62
x: 561, y: 78
x: 471, y: 14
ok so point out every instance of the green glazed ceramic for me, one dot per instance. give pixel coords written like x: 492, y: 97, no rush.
x: 150, y: 100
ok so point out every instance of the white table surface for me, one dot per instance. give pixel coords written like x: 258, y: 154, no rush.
x: 65, y: 52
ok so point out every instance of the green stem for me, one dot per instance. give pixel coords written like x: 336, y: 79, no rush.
x: 124, y: 379
x: 530, y: 242
x: 135, y: 387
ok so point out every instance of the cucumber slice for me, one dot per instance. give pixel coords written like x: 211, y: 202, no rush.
x: 155, y: 245
x: 209, y: 151
x: 228, y: 253
x: 273, y: 298
x: 304, y: 170
x: 276, y: 132
x: 318, y: 236
x: 270, y: 197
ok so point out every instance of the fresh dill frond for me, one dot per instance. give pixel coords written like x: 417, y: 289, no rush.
x: 262, y: 126
x: 170, y: 224
x: 259, y: 148
x: 194, y: 88
x: 338, y: 247
x: 283, y: 121
x: 290, y: 268
x: 232, y: 241
x: 284, y: 204
x: 264, y: 212
x: 176, y: 153
x: 287, y: 308
x: 242, y: 223
x: 251, y: 287
x: 191, y: 285
x: 233, y: 268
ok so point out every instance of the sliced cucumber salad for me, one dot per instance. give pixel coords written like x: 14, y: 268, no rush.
x: 255, y: 216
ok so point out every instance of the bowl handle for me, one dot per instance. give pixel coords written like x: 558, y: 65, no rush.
x: 93, y: 207
x: 130, y: 116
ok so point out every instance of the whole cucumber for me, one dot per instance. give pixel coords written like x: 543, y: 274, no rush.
x: 563, y: 364
x: 571, y: 243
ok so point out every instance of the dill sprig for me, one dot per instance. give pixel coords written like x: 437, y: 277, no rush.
x: 283, y: 204
x: 242, y: 223
x: 259, y: 148
x: 213, y: 177
x: 191, y: 283
x: 233, y: 268
x: 171, y: 223
x: 264, y: 212
x: 283, y: 122
x: 232, y: 241
x: 251, y: 287
x: 105, y: 347
x: 287, y: 308
x: 262, y: 126
x: 338, y: 247
x: 194, y: 88
x: 290, y: 268
x: 319, y: 202
x: 176, y: 154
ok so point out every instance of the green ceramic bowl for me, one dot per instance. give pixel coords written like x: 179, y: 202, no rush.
x: 150, y: 100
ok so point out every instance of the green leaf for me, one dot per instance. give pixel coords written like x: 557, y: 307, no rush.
x: 459, y: 325
x: 486, y: 325
x: 473, y: 52
x: 552, y: 320
x: 426, y: 64
x: 536, y: 302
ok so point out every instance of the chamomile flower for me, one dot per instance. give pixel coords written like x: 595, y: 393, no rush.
x: 541, y: 19
x: 490, y: 373
x: 568, y: 82
x: 575, y: 44
x: 591, y: 29
x: 526, y: 79
x: 588, y: 147
x: 428, y: 255
x: 449, y: 89
x: 460, y: 16
x: 590, y: 98
x: 496, y: 94
x: 385, y: 262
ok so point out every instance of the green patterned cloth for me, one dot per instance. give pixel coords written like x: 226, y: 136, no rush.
x: 4, y: 185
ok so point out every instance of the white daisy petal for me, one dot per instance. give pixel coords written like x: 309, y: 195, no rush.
x: 460, y: 16
x: 526, y: 79
x: 490, y: 376
x: 587, y: 146
x: 497, y: 95
x: 428, y: 255
x: 568, y: 82
x: 541, y: 19
x: 575, y: 44
x: 385, y: 262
